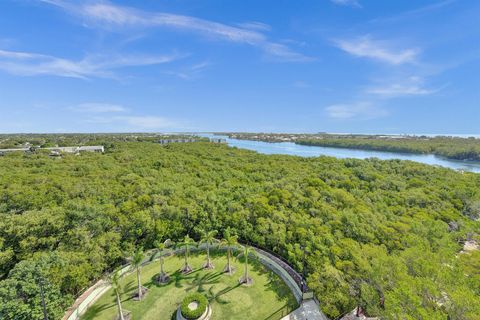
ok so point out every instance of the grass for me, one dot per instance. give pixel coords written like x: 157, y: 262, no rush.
x: 268, y: 298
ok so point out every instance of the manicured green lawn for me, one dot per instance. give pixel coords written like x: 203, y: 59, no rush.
x: 268, y: 298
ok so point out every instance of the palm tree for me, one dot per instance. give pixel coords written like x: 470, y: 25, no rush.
x: 186, y: 243
x: 137, y: 260
x: 114, y: 281
x: 162, y: 277
x: 246, y: 251
x: 231, y: 243
x: 208, y: 237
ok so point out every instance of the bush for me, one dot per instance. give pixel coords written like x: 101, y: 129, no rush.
x: 202, y: 301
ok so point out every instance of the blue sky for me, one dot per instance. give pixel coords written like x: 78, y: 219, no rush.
x: 223, y: 65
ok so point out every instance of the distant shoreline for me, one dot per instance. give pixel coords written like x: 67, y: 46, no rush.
x: 448, y: 147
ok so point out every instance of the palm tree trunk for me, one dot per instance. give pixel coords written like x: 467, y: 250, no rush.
x: 119, y: 305
x: 229, y: 268
x: 208, y: 254
x: 246, y: 265
x: 139, y: 284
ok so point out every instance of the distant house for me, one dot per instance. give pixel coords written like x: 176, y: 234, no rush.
x: 5, y: 151
x: 92, y: 149
x: 55, y: 154
x: 57, y: 149
x: 186, y: 140
x: 218, y: 140
x: 80, y: 149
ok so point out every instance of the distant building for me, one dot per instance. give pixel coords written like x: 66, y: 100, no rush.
x: 55, y: 154
x: 13, y: 150
x: 77, y: 149
x: 186, y: 140
x: 218, y: 140
x: 57, y: 149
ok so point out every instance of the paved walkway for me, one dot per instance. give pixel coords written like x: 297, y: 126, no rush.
x: 308, y: 310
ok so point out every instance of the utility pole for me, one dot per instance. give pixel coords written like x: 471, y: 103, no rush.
x: 45, y: 317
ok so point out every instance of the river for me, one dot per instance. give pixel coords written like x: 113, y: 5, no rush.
x: 291, y: 148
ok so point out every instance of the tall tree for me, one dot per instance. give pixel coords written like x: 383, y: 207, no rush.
x: 162, y: 248
x: 231, y: 243
x: 137, y: 260
x: 246, y: 252
x: 208, y: 238
x: 114, y: 280
x: 186, y: 243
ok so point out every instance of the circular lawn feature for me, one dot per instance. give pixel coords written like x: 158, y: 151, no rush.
x: 269, y: 297
x: 194, y: 306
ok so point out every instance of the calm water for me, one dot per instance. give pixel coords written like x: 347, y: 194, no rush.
x: 314, y: 151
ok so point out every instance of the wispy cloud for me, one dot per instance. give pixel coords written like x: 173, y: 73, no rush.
x: 355, y: 111
x: 415, y: 13
x: 108, y: 15
x: 94, y: 107
x: 284, y: 53
x: 379, y: 50
x: 412, y: 86
x: 350, y: 3
x: 32, y: 64
x: 189, y: 72
x: 255, y: 25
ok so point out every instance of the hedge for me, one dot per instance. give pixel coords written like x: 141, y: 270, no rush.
x: 202, y: 306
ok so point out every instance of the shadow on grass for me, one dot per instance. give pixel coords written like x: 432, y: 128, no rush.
x: 199, y: 282
x: 178, y: 277
x: 95, y: 310
x: 217, y: 297
x: 276, y: 285
x: 174, y: 315
x: 130, y: 287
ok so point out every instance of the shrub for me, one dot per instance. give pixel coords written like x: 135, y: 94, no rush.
x: 202, y: 301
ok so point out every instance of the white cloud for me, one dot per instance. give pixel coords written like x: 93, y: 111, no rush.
x: 350, y: 3
x: 413, y: 86
x: 355, y: 111
x: 189, y: 72
x: 284, y: 53
x: 378, y: 50
x: 108, y: 15
x: 32, y: 64
x: 254, y: 25
x: 99, y: 108
x: 415, y: 13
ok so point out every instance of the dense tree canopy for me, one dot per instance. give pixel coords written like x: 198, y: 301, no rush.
x: 385, y: 235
